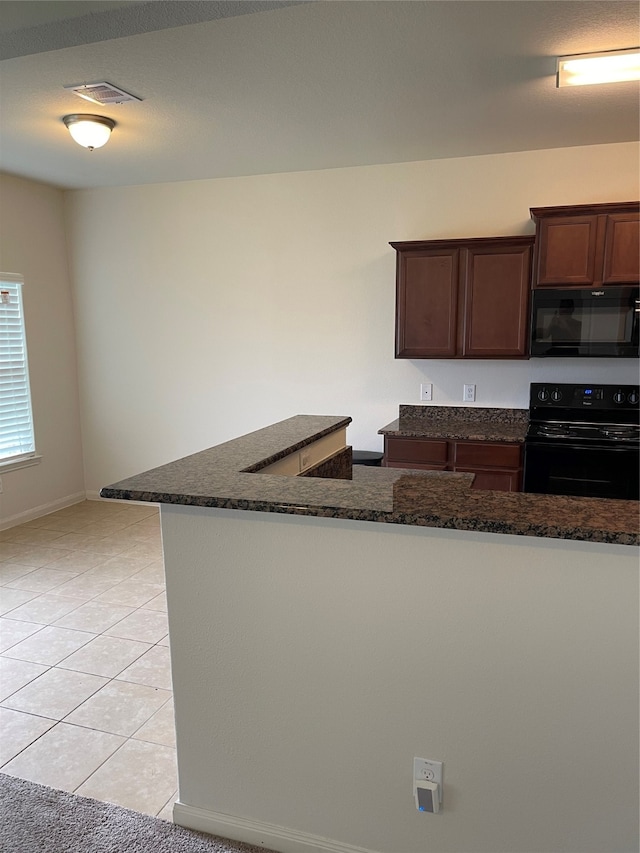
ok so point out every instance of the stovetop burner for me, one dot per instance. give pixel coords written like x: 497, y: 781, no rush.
x: 607, y: 414
x: 620, y: 431
x: 554, y: 429
x: 602, y: 433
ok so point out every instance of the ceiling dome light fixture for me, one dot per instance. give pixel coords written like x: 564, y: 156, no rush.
x: 609, y: 66
x: 89, y: 130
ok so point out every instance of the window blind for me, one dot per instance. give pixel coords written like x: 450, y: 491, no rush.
x: 16, y: 420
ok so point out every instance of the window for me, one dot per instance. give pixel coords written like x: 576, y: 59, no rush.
x: 17, y: 444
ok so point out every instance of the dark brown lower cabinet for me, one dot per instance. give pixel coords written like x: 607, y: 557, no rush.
x: 497, y: 465
x: 431, y: 454
x: 496, y: 481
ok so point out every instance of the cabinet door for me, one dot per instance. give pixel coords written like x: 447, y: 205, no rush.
x: 487, y: 454
x: 497, y: 465
x: 566, y: 251
x: 427, y: 303
x: 495, y: 481
x: 418, y: 466
x: 496, y: 301
x: 418, y: 452
x: 622, y: 249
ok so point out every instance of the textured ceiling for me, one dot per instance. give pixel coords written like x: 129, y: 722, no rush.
x: 246, y: 88
x: 35, y: 26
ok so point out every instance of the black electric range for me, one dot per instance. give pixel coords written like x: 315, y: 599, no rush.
x: 583, y: 440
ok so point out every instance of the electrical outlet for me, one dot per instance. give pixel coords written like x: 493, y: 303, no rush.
x: 426, y: 770
x: 426, y: 391
x: 469, y: 393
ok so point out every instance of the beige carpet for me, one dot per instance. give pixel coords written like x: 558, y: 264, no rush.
x: 37, y: 819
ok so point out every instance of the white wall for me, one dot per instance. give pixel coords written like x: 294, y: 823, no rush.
x: 207, y: 309
x: 314, y: 658
x: 33, y: 243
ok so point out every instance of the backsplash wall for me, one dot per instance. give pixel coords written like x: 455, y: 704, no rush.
x: 507, y: 383
x: 225, y: 305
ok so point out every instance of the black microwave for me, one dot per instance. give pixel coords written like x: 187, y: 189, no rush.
x: 599, y: 322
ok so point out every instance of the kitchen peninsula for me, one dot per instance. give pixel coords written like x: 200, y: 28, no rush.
x: 324, y: 631
x: 234, y: 476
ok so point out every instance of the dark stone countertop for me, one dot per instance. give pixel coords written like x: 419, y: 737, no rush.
x: 463, y: 423
x: 218, y: 477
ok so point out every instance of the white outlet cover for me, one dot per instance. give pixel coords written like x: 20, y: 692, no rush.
x: 426, y: 770
x: 469, y: 393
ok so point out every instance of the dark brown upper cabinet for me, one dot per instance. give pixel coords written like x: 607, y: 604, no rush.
x: 590, y: 245
x: 463, y: 298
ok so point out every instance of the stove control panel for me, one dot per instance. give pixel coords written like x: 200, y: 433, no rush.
x: 570, y: 396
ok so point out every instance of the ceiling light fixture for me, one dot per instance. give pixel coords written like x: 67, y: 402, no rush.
x: 89, y: 130
x: 611, y: 66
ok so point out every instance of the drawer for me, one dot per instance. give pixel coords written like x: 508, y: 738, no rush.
x: 416, y: 450
x: 487, y: 454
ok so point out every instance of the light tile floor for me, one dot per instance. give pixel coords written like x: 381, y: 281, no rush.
x: 85, y: 681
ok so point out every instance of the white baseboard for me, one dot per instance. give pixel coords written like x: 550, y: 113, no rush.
x: 43, y: 509
x: 260, y: 834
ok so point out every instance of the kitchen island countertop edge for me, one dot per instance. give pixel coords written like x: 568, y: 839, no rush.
x: 218, y: 477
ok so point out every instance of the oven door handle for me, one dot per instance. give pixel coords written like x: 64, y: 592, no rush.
x: 569, y: 446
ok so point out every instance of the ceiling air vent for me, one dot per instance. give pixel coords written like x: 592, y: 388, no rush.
x: 102, y: 93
